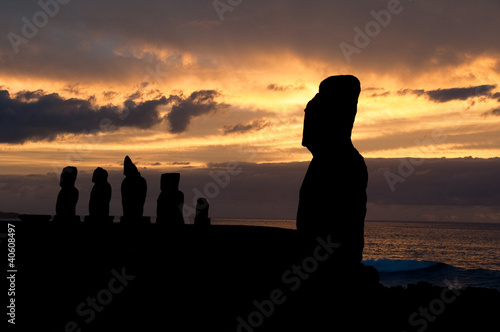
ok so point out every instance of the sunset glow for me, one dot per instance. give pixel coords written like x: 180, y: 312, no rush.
x: 184, y: 86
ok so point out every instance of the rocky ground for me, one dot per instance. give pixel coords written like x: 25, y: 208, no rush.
x: 115, y: 277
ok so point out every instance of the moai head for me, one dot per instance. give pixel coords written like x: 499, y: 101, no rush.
x: 128, y: 167
x: 100, y: 175
x: 202, y: 204
x: 329, y: 116
x: 68, y: 177
x: 170, y: 181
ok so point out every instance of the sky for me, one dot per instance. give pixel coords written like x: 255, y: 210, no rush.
x: 194, y: 86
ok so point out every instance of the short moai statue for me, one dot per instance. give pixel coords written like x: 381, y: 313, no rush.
x: 201, y: 219
x: 170, y: 203
x: 68, y: 196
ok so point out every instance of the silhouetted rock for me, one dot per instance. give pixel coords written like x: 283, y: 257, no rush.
x: 134, y: 189
x: 201, y: 219
x: 332, y: 198
x: 170, y: 203
x: 68, y: 196
x: 229, y: 278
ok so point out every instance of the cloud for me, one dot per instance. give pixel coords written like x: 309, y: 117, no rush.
x: 241, y: 128
x: 109, y: 94
x: 283, y: 88
x: 371, y: 88
x: 198, y: 103
x: 497, y: 95
x: 73, y: 88
x: 135, y: 95
x: 36, y: 115
x: 495, y: 111
x: 110, y: 48
x: 383, y: 94
x: 142, y: 93
x: 446, y: 95
x: 416, y: 92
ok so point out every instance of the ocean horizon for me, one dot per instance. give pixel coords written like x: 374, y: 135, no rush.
x: 406, y: 252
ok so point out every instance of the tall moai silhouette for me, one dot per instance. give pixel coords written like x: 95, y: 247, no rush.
x: 201, y: 219
x: 100, y: 196
x: 170, y: 202
x: 68, y: 196
x: 134, y: 189
x: 332, y: 198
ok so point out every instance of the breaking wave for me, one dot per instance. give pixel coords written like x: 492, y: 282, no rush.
x: 390, y: 265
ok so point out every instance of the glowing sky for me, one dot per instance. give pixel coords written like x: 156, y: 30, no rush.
x: 188, y: 83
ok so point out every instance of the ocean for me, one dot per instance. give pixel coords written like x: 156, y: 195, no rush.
x: 463, y: 254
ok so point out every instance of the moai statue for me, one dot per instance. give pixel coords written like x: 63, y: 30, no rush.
x: 332, y: 199
x: 201, y: 219
x: 134, y: 189
x: 170, y: 203
x: 100, y: 196
x: 68, y: 196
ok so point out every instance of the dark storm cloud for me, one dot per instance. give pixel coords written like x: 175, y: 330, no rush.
x: 198, y: 103
x: 446, y: 95
x: 142, y: 115
x: 497, y: 95
x: 82, y: 39
x: 36, y: 115
x: 241, y: 128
